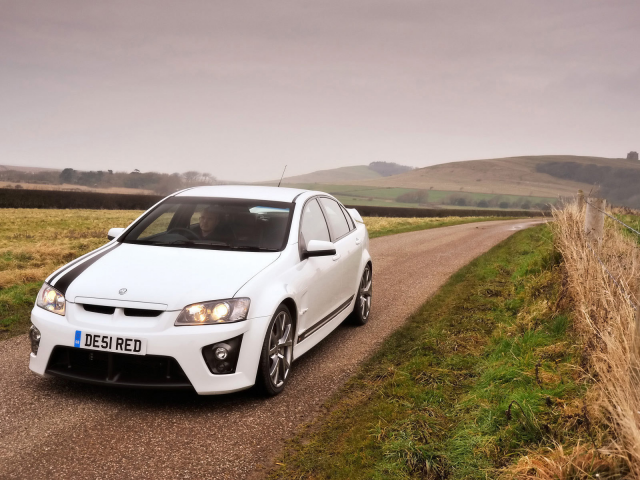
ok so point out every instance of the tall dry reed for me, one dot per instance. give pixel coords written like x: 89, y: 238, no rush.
x: 604, y: 300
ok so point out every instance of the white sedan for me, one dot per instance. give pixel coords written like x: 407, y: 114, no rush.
x: 213, y: 288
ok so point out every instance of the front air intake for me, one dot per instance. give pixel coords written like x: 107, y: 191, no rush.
x: 141, y: 312
x: 99, y: 309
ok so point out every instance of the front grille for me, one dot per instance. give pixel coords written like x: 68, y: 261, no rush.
x: 128, y: 312
x: 141, y: 312
x: 118, y: 369
x: 99, y: 309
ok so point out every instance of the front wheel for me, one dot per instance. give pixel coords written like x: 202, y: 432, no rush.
x: 277, y: 353
x: 362, y: 307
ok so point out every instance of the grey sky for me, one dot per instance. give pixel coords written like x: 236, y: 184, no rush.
x: 240, y: 88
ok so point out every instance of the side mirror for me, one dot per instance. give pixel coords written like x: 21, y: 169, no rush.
x: 114, y: 232
x: 319, y: 248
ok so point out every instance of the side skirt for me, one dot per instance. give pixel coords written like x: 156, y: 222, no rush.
x: 321, y: 323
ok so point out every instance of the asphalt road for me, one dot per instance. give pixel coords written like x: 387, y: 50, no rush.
x: 54, y: 429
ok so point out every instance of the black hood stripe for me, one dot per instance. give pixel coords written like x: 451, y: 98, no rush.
x: 70, y: 275
x: 66, y: 267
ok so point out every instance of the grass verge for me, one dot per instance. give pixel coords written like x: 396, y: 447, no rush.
x: 381, y: 226
x: 479, y: 376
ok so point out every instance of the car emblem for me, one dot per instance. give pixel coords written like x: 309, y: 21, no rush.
x: 122, y: 291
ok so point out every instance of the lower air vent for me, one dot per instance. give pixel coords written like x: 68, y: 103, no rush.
x: 117, y: 369
x: 99, y: 309
x: 141, y: 312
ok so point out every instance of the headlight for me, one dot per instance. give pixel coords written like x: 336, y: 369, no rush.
x: 219, y: 311
x: 51, y: 299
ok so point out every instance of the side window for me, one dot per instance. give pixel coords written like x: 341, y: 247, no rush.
x: 314, y: 227
x: 350, y: 221
x: 335, y: 217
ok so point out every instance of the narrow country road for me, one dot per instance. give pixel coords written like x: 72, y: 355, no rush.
x: 53, y: 429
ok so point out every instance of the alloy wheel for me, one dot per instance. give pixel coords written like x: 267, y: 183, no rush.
x: 280, y: 349
x: 364, y: 293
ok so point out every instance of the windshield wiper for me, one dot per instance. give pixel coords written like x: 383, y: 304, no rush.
x: 260, y: 249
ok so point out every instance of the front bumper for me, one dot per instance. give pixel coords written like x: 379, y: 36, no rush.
x: 164, y: 341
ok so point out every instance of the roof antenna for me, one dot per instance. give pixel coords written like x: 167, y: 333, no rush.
x: 285, y: 169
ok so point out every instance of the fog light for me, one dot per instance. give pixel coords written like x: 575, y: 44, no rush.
x: 221, y: 353
x: 222, y: 357
x: 34, y: 336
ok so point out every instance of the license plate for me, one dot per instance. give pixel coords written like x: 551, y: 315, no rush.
x: 110, y: 343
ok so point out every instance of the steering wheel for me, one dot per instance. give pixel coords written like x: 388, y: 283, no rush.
x: 185, y: 232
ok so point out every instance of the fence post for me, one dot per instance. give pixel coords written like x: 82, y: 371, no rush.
x: 594, y: 219
x: 580, y: 200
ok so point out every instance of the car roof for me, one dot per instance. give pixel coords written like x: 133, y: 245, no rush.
x: 254, y: 192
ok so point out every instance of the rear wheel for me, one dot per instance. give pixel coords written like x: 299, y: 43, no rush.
x: 277, y: 353
x: 362, y: 307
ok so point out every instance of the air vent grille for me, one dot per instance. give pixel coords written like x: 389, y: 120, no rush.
x: 99, y: 309
x: 141, y: 312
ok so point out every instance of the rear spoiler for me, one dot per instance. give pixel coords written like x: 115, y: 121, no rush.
x: 355, y: 215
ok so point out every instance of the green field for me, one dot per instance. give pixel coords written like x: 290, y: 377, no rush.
x: 631, y: 220
x: 387, y: 197
x: 483, y: 374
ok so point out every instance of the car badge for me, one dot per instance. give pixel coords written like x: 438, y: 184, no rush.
x: 122, y: 291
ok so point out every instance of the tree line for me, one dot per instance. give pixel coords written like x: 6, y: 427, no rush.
x: 159, y: 183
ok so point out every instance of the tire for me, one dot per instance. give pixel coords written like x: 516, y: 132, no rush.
x: 362, y: 308
x: 277, y: 353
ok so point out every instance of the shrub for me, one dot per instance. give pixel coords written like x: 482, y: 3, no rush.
x: 417, y: 196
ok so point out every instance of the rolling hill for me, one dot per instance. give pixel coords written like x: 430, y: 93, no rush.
x: 616, y: 179
x: 514, y: 175
x: 27, y: 169
x: 334, y: 176
x: 344, y: 175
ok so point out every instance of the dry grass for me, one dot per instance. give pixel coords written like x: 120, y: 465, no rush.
x: 375, y: 224
x: 34, y: 243
x: 380, y: 226
x: 607, y: 323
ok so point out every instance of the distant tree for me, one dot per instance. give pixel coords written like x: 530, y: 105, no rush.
x: 386, y: 169
x: 67, y: 175
x: 504, y: 205
x: 168, y: 184
x: 417, y: 196
x: 191, y: 177
x: 483, y: 204
x: 18, y: 187
x: 526, y: 205
x: 632, y: 156
x: 110, y: 172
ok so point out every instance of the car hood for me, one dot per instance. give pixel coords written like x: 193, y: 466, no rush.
x: 171, y: 276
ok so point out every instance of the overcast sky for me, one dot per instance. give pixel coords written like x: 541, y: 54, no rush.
x: 241, y: 88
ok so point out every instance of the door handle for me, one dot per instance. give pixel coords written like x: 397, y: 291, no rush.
x: 336, y: 257
x: 357, y: 241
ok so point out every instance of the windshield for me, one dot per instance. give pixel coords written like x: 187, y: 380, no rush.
x: 215, y: 223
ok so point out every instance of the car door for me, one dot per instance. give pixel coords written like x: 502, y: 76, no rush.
x: 319, y: 276
x: 347, y: 247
